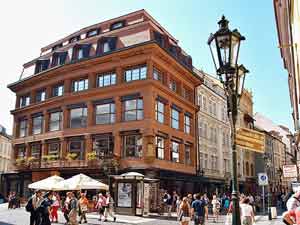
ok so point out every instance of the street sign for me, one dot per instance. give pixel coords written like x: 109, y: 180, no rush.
x: 262, y: 179
x: 289, y: 171
x: 251, y: 140
x: 296, y: 187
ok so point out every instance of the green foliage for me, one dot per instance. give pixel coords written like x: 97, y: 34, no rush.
x: 91, y: 156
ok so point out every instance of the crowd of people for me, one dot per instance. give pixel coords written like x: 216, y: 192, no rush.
x: 13, y: 200
x: 43, y: 207
x: 197, y: 207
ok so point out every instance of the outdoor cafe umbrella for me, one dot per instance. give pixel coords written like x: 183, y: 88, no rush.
x: 46, y: 184
x: 81, y: 182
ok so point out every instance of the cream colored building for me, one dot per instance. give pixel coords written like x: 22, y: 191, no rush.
x: 214, y: 141
x: 5, y: 151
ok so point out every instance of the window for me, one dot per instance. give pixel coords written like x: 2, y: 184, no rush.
x: 105, y: 113
x: 133, y: 145
x: 103, y: 145
x: 59, y: 58
x: 187, y: 94
x: 54, y: 148
x: 201, y: 133
x: 159, y: 111
x: 74, y: 39
x: 24, y: 101
x: 58, y: 90
x: 160, y: 147
x: 210, y: 106
x: 187, y: 155
x: 37, y: 125
x: 200, y: 101
x: 157, y: 75
x: 247, y: 169
x: 173, y: 85
x: 80, y: 85
x: 23, y: 128
x: 133, y: 109
x: 36, y: 150
x: 174, y: 119
x: 138, y: 73
x: 21, y: 152
x: 78, y: 117
x: 55, y: 121
x: 107, y: 79
x: 41, y: 65
x: 205, y: 133
x: 187, y: 124
x: 40, y: 96
x: 214, y: 109
x: 175, y: 152
x: 106, y: 44
x: 204, y: 103
x: 92, y: 33
x: 81, y: 51
x: 55, y: 47
x: 117, y: 25
x: 77, y: 147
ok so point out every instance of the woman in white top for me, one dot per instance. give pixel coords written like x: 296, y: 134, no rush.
x: 247, y: 214
x: 215, y: 207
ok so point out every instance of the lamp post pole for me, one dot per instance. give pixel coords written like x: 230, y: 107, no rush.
x: 224, y: 46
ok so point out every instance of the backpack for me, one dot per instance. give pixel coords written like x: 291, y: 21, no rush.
x: 29, y: 205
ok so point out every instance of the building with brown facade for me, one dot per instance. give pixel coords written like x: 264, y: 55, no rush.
x: 114, y: 97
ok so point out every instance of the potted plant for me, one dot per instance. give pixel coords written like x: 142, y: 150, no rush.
x: 71, y: 156
x: 53, y: 157
x: 45, y: 158
x: 31, y: 160
x: 91, y: 156
x: 20, y: 161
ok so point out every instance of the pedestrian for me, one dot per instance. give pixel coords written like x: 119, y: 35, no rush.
x: 66, y: 207
x: 178, y: 203
x: 292, y: 215
x: 167, y: 199
x: 83, y: 206
x: 226, y: 204
x: 44, y: 209
x: 184, y: 212
x: 109, y: 210
x: 247, y: 213
x: 216, y: 205
x: 190, y: 198
x: 101, y: 203
x: 199, y: 210
x: 73, y: 209
x: 32, y: 205
x: 9, y: 197
x: 54, y: 207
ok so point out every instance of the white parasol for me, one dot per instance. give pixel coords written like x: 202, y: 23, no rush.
x: 49, y: 183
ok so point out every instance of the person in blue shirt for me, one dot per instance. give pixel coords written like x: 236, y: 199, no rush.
x: 199, y: 210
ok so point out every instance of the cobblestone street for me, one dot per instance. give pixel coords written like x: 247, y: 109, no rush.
x: 21, y: 217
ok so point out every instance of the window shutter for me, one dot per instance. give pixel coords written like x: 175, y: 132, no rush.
x: 112, y: 42
x: 86, y: 50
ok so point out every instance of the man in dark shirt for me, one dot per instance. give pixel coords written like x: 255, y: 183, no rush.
x: 199, y: 210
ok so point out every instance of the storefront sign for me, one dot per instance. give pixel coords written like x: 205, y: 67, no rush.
x: 124, y: 194
x: 250, y: 139
x: 289, y: 171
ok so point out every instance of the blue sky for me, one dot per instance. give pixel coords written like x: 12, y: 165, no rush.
x: 26, y: 26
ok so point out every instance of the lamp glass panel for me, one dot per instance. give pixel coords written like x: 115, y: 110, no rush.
x: 224, y: 46
x: 235, y: 44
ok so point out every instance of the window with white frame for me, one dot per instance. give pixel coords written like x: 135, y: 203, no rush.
x: 58, y: 90
x: 55, y: 121
x: 157, y: 75
x: 174, y: 151
x: 136, y: 73
x: 160, y: 111
x: 105, y: 113
x: 160, y: 147
x: 133, y: 109
x: 37, y: 125
x: 78, y: 117
x: 40, y: 96
x: 36, y: 150
x: 174, y: 118
x: 107, y: 79
x: 80, y: 85
x: 133, y: 145
x: 24, y: 100
x: 23, y: 128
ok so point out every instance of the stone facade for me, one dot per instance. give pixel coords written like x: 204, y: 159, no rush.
x: 5, y: 151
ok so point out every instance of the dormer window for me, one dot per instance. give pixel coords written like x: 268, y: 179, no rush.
x: 81, y: 51
x: 117, y: 25
x: 74, y: 39
x: 59, y: 58
x: 41, y: 65
x: 92, y: 33
x: 57, y: 46
x: 106, y: 44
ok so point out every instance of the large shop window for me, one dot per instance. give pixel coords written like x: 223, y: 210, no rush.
x: 133, y: 109
x: 160, y: 111
x: 80, y: 85
x: 175, y: 151
x: 40, y: 96
x: 78, y: 117
x: 24, y: 100
x: 175, y: 118
x: 37, y: 124
x: 133, y: 145
x: 36, y: 150
x: 187, y: 124
x: 23, y: 129
x: 105, y: 113
x: 160, y: 147
x: 137, y: 73
x: 107, y: 79
x: 54, y: 148
x: 58, y: 90
x: 55, y: 121
x: 103, y: 145
x: 77, y: 147
x: 187, y: 155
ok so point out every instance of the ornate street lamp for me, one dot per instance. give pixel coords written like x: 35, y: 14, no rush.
x: 224, y: 47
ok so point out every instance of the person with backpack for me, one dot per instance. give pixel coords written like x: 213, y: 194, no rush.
x: 32, y: 205
x: 45, y: 209
x: 167, y: 199
x: 199, y: 210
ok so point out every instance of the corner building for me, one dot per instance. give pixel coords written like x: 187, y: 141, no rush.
x: 123, y: 90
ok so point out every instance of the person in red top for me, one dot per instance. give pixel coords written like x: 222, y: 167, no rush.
x: 101, y: 205
x: 54, y: 207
